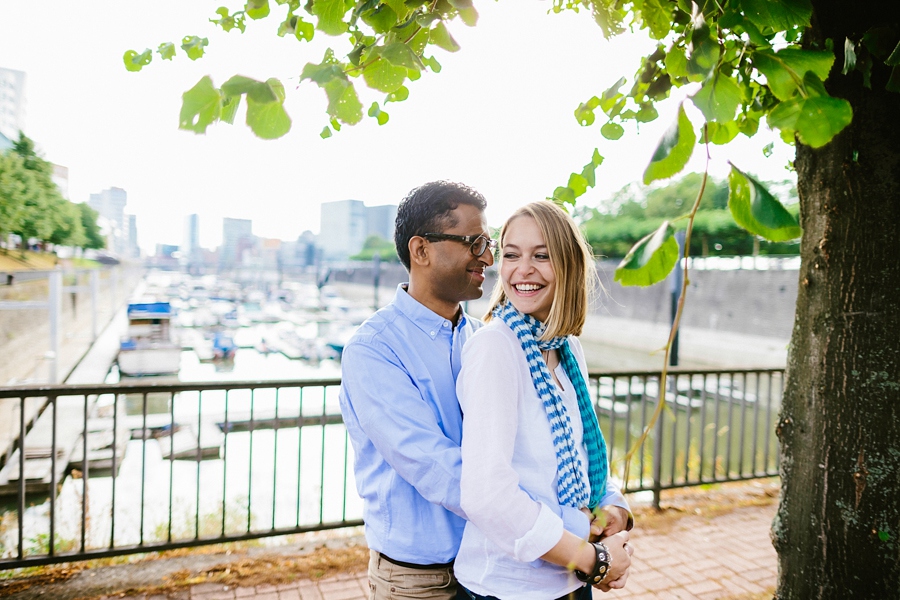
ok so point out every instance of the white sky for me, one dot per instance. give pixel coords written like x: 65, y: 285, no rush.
x: 499, y: 116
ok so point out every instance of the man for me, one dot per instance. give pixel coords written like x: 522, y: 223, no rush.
x: 398, y: 396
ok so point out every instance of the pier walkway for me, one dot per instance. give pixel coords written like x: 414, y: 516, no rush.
x: 706, y: 545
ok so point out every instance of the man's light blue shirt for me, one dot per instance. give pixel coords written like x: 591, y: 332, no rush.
x: 398, y: 398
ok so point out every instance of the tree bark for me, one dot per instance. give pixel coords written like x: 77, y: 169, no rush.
x: 837, y: 530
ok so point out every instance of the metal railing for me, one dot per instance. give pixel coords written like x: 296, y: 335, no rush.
x: 119, y: 469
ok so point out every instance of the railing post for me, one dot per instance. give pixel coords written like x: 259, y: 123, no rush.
x: 54, y: 309
x: 657, y: 449
x: 95, y: 287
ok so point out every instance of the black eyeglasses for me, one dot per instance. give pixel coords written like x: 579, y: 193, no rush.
x: 477, y: 243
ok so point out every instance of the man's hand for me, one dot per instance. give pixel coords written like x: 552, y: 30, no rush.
x: 606, y: 521
x: 620, y: 551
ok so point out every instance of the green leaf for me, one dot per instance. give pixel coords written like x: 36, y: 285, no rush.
x: 757, y: 211
x: 166, y: 50
x: 647, y: 113
x: 784, y: 116
x: 674, y: 150
x: 564, y: 195
x: 331, y: 16
x: 703, y: 51
x: 785, y: 69
x: 376, y: 112
x: 343, y: 103
x: 748, y: 124
x: 257, y: 9
x: 260, y: 91
x: 880, y: 41
x: 650, y: 260
x: 821, y: 118
x: 469, y: 16
x: 893, y: 84
x: 381, y: 19
x: 268, y: 120
x: 578, y: 184
x: 718, y: 98
x: 721, y: 133
x: 440, y: 37
x: 200, y: 106
x: 585, y: 111
x: 657, y: 16
x: 611, y: 96
x: 676, y: 62
x: 229, y: 108
x: 304, y: 31
x: 894, y: 59
x: 384, y: 77
x: 135, y: 62
x: 777, y: 16
x: 589, y: 172
x: 194, y: 46
x: 432, y: 63
x: 612, y: 131
x: 401, y: 55
x: 326, y: 133
x: 399, y: 95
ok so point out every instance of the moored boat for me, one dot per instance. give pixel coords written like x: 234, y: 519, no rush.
x: 150, y: 347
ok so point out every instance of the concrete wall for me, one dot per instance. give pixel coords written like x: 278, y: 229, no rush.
x: 752, y: 302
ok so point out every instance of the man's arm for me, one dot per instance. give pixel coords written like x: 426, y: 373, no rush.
x: 380, y: 398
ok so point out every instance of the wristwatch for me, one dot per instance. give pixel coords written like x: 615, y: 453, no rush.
x: 602, y: 563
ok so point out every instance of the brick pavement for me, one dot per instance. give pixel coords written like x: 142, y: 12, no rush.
x: 728, y: 556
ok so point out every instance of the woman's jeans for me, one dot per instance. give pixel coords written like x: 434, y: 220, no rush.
x: 580, y: 594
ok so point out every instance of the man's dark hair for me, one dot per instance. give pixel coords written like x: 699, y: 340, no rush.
x: 428, y: 209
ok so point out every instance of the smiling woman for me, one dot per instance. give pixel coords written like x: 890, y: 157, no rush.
x: 534, y: 463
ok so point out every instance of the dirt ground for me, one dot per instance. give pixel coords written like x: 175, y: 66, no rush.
x: 311, y: 556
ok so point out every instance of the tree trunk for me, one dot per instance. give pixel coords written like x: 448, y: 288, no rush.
x: 837, y: 531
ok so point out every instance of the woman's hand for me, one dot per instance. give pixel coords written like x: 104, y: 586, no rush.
x: 606, y: 521
x: 620, y: 551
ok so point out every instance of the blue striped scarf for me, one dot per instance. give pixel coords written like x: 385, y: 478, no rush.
x: 571, y: 489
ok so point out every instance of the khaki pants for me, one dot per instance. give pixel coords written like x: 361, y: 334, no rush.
x: 388, y: 581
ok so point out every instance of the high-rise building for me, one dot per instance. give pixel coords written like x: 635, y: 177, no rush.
x: 346, y: 224
x: 133, y: 250
x: 381, y: 220
x: 12, y: 103
x: 190, y: 250
x: 110, y: 205
x: 61, y: 179
x: 237, y: 236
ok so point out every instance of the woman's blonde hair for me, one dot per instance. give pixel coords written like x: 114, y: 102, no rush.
x: 573, y: 265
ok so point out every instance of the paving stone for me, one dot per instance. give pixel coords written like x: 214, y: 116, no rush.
x: 703, y: 586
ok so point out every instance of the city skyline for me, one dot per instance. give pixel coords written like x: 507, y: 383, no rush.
x: 498, y: 117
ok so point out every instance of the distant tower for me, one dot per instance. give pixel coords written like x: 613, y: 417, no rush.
x: 110, y: 204
x: 191, y: 247
x: 12, y: 103
x: 237, y: 235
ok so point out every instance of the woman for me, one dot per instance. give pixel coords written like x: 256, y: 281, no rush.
x: 534, y: 461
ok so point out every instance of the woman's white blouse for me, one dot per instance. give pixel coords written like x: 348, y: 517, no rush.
x: 508, y: 485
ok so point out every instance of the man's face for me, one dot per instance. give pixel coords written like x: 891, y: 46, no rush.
x: 457, y: 275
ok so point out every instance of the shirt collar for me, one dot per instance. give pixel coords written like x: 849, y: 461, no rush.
x: 423, y: 317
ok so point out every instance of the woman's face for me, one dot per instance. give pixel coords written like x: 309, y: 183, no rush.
x: 525, y: 270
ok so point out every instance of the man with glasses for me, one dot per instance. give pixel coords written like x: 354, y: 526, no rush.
x: 398, y: 394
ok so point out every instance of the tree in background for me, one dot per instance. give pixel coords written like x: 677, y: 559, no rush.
x: 35, y: 207
x: 15, y: 184
x: 375, y: 244
x: 93, y: 239
x: 826, y: 74
x: 634, y: 212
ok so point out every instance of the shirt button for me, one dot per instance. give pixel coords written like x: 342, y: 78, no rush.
x: 446, y: 324
x: 432, y: 333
